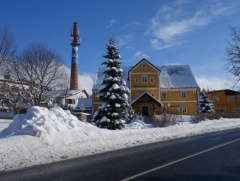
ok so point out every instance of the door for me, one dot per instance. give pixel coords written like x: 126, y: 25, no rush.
x: 145, y: 110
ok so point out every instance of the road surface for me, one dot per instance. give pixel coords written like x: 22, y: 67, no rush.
x: 213, y: 156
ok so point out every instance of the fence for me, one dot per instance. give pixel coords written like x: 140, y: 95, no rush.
x: 6, y: 115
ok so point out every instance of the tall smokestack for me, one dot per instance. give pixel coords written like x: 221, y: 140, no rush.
x: 74, y: 68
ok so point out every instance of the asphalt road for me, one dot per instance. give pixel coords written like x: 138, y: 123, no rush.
x: 213, y: 156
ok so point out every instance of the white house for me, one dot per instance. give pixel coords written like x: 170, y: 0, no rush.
x: 69, y: 99
x: 9, y: 96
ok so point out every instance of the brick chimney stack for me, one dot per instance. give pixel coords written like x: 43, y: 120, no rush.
x: 74, y: 67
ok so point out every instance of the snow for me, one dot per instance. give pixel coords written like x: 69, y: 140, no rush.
x: 4, y: 123
x: 113, y: 97
x: 171, y: 76
x: 125, y: 96
x: 177, y: 76
x: 122, y: 88
x: 117, y: 105
x: 105, y: 119
x: 43, y: 136
x: 115, y: 87
x: 115, y: 114
x: 73, y: 92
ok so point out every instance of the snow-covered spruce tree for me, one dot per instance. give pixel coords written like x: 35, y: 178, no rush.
x: 204, y: 104
x: 115, y: 110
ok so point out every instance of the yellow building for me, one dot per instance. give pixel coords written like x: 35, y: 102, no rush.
x: 169, y: 89
x: 225, y: 101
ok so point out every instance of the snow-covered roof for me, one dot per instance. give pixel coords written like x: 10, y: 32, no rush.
x: 73, y: 92
x: 177, y: 76
x: 227, y: 91
x: 62, y: 93
x: 171, y: 76
x: 149, y: 97
x: 85, y: 102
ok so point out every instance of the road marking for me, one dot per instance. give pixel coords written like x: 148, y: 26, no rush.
x: 179, y: 160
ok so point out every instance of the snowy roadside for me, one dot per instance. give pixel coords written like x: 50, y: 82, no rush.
x: 58, y: 135
x: 4, y: 123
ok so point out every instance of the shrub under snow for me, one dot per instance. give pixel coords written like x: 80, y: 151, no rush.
x: 164, y: 120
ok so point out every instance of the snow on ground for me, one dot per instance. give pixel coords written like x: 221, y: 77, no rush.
x: 43, y: 136
x: 4, y: 123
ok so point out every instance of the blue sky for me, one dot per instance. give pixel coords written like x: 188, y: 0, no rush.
x: 163, y: 31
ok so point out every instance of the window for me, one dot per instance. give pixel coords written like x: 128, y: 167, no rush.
x: 238, y: 98
x: 164, y: 95
x: 230, y: 99
x: 137, y: 95
x: 70, y: 101
x: 136, y: 80
x: 236, y: 110
x: 144, y: 78
x: 143, y: 65
x: 215, y: 99
x: 164, y: 110
x: 152, y: 94
x: 220, y: 110
x: 184, y: 95
x: 152, y: 79
x: 184, y: 109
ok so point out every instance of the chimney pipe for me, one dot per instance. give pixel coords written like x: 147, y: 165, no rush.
x: 74, y: 67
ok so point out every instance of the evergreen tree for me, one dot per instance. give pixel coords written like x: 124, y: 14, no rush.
x: 115, y: 110
x: 204, y: 104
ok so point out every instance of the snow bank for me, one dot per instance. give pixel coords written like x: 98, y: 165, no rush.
x: 40, y: 122
x: 43, y: 136
x: 4, y: 123
x: 138, y: 124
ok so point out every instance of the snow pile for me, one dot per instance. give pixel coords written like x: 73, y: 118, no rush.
x: 39, y: 121
x: 44, y: 136
x: 138, y: 124
x: 4, y: 123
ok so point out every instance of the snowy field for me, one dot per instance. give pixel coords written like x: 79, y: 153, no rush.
x: 44, y: 136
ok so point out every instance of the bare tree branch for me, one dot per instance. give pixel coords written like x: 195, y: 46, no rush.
x: 233, y: 54
x: 7, y: 45
x: 41, y: 69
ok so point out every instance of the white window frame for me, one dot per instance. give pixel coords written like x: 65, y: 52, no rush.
x: 144, y: 78
x: 70, y: 101
x: 183, y: 94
